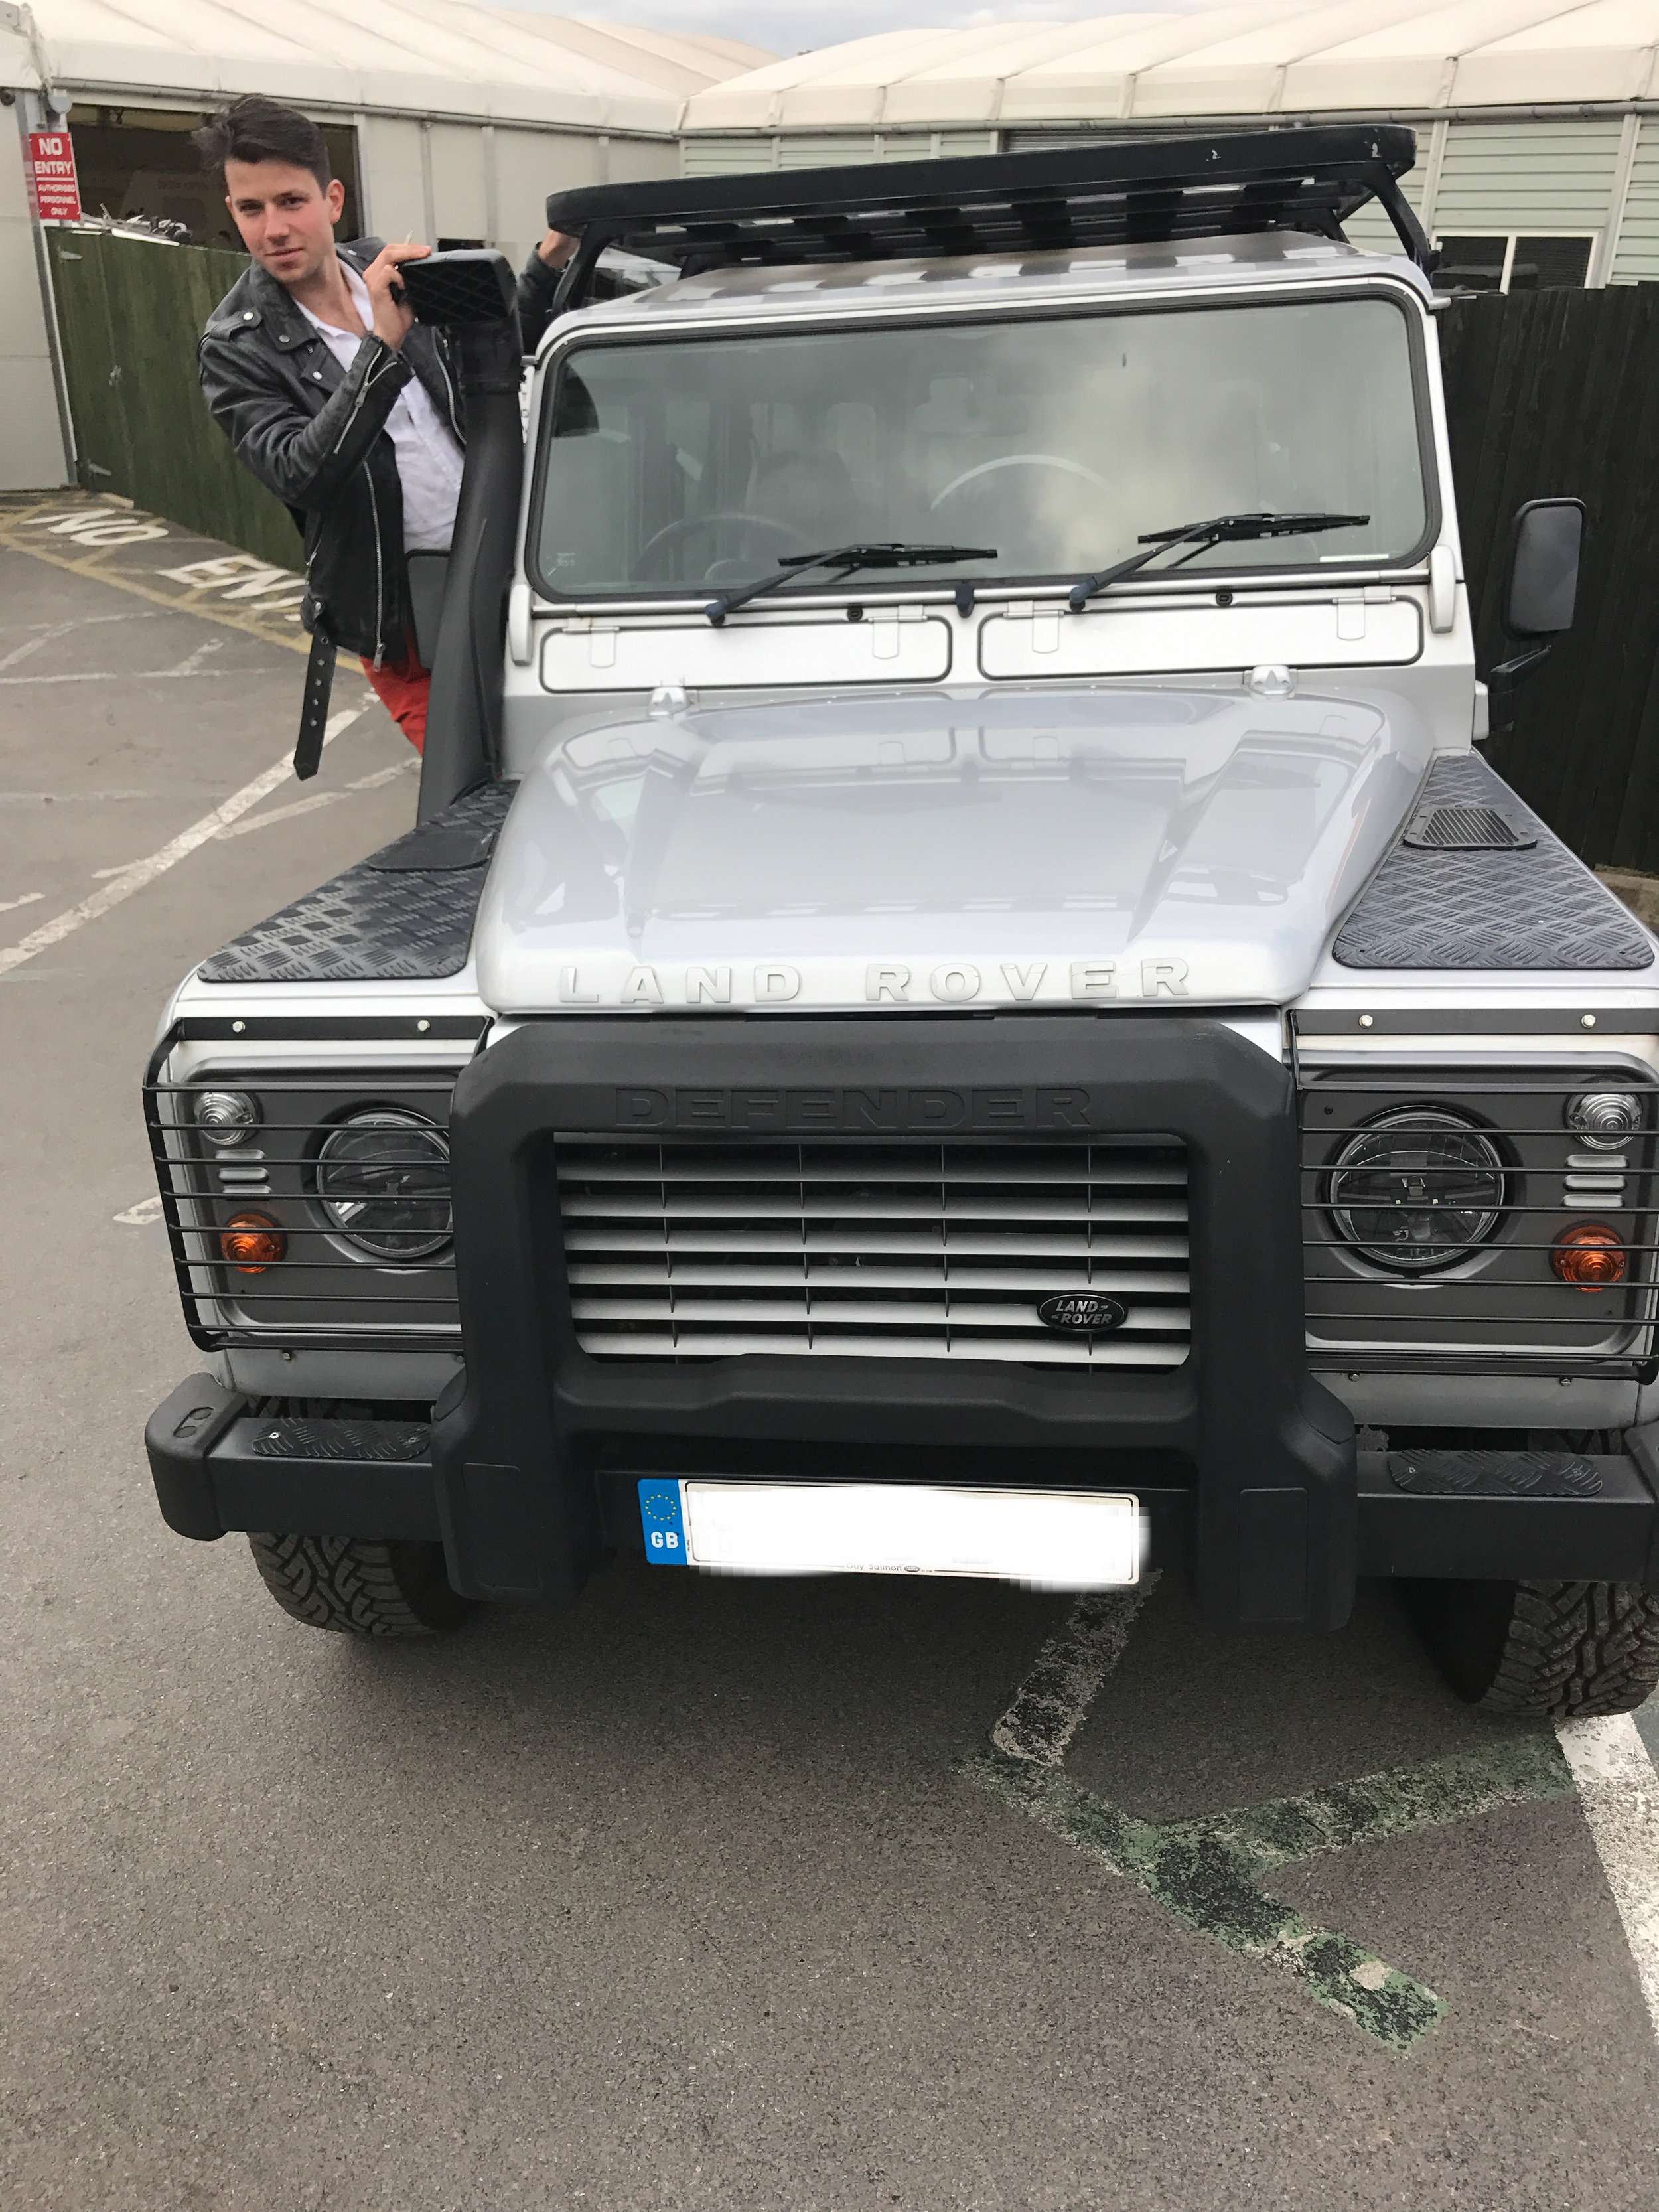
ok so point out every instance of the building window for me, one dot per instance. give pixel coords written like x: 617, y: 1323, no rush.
x: 1505, y: 261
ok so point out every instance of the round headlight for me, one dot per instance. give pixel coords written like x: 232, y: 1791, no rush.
x: 226, y: 1117
x: 1417, y: 1190
x: 1604, y: 1119
x: 383, y: 1181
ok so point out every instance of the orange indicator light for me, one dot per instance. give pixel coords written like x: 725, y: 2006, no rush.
x: 251, y: 1242
x: 1590, y: 1256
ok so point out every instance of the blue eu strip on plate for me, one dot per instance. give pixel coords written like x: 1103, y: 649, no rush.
x: 662, y: 1518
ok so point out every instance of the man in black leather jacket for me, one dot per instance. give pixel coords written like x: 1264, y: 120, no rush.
x: 337, y: 399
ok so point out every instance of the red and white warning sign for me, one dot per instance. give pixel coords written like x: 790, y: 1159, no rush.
x: 54, y: 195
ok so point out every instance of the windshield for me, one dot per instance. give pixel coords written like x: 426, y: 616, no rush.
x: 696, y: 462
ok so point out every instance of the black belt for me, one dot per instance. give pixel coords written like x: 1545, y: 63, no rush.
x: 314, y: 714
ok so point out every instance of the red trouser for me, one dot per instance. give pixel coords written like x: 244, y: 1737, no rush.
x: 401, y: 687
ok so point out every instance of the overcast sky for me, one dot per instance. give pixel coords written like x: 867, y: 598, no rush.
x: 788, y: 25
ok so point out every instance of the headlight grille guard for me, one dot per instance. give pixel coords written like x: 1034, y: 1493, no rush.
x: 322, y: 1294
x: 1500, y: 1308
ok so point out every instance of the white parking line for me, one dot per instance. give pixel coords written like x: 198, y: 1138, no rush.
x: 145, y: 872
x: 120, y: 676
x: 34, y: 644
x: 189, y: 665
x: 1618, y: 1789
x: 139, y: 1216
x: 322, y: 799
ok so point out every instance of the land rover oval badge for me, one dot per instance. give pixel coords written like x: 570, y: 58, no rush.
x: 1082, y: 1313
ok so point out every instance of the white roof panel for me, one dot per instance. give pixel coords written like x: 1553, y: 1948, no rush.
x: 1605, y: 51
x: 1251, y: 58
x: 448, y: 57
x: 1416, y: 63
x: 674, y: 61
x: 1244, y: 75
x: 978, y: 97
x: 1099, y: 76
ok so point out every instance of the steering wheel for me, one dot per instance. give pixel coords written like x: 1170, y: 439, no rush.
x: 1019, y: 461
x: 672, y: 534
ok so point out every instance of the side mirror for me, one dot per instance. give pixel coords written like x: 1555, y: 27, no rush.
x: 1540, y: 597
x: 1542, y: 590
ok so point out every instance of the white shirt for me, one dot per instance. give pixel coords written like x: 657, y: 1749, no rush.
x: 428, y: 459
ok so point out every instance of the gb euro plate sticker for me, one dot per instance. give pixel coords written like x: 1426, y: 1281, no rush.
x: 662, y: 1518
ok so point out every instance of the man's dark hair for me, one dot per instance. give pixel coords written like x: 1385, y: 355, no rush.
x: 256, y: 129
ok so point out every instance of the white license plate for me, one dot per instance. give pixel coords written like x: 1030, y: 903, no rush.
x: 1054, y: 1540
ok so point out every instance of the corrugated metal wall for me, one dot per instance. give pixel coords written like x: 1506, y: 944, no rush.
x: 31, y: 456
x: 432, y: 180
x: 1636, y: 259
x: 1547, y: 175
x: 715, y: 153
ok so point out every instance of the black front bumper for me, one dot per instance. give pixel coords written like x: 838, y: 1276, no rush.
x: 218, y: 1467
x: 1246, y: 1464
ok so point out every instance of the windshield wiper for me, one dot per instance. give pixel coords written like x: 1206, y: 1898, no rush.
x: 1219, y: 530
x: 892, y: 553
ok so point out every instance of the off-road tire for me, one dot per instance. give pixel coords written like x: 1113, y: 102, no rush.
x: 1559, y: 1649
x: 360, y: 1587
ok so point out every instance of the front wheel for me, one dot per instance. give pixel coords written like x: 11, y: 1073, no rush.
x: 1559, y: 1649
x: 359, y: 1587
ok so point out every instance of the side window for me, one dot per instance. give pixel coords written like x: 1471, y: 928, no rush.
x: 1540, y: 263
x: 583, y: 527
x: 1502, y: 261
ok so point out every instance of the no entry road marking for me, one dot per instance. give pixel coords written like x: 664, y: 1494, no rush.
x: 102, y: 561
x: 1208, y: 1872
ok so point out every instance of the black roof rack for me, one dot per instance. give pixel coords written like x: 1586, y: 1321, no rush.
x: 1159, y: 189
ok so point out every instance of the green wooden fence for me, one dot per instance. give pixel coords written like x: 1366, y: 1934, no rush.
x: 131, y: 311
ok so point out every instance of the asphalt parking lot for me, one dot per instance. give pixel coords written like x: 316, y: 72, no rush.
x: 707, y: 1895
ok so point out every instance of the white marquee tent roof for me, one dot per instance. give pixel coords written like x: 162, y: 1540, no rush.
x: 444, y: 58
x: 1254, y: 58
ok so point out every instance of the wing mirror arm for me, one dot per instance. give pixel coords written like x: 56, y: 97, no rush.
x: 1501, y: 684
x: 1540, y: 595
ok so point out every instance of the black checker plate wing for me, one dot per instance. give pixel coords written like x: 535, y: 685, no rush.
x: 1533, y: 906
x: 373, y: 924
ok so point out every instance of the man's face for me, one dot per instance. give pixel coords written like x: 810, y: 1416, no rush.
x: 286, y: 217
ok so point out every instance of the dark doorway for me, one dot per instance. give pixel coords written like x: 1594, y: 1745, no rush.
x: 139, y: 161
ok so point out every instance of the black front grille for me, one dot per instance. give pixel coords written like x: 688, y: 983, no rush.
x: 1497, y: 1306
x: 325, y: 1289
x: 876, y: 1248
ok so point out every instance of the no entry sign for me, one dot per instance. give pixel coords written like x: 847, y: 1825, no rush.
x: 54, y: 195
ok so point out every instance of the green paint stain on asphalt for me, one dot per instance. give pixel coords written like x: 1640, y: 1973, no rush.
x: 1432, y: 1794
x: 1206, y: 1872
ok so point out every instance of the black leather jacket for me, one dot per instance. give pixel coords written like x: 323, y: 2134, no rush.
x: 314, y: 433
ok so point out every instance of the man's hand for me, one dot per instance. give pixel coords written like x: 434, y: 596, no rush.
x: 556, y: 249
x: 392, y: 317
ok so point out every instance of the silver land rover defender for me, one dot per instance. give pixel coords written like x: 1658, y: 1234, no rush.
x: 962, y: 999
